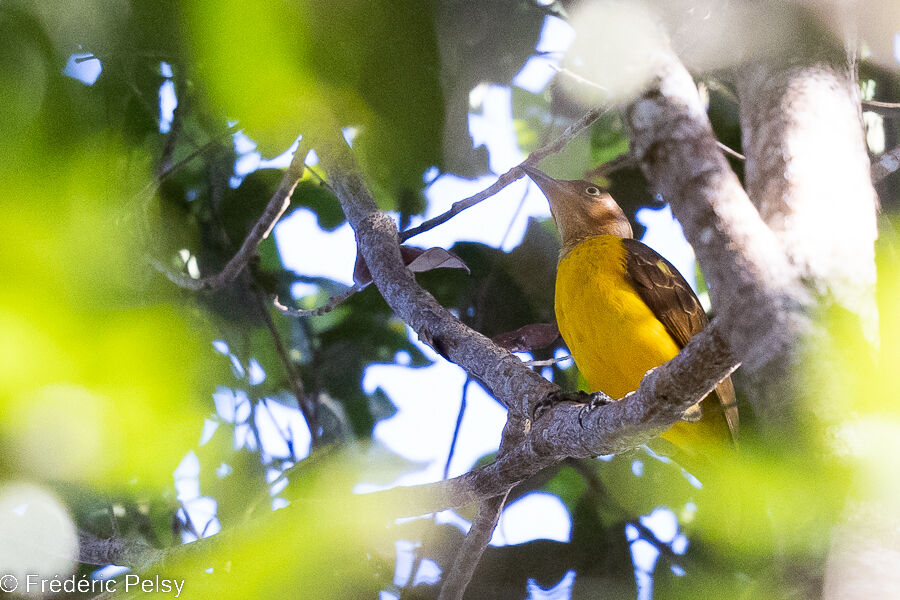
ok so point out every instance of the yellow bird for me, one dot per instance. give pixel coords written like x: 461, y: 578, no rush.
x: 623, y: 309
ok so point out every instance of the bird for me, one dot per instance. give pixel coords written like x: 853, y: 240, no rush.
x: 622, y: 309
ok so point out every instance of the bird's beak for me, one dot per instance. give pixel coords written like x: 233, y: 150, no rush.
x: 548, y: 185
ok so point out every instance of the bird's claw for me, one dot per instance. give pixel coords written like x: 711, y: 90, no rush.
x: 593, y: 401
x: 559, y: 396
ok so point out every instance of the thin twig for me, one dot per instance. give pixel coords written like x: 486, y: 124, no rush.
x: 333, y: 302
x: 459, y: 417
x: 260, y: 230
x: 578, y: 78
x: 469, y: 554
x: 307, y: 407
x: 883, y: 108
x: 507, y: 178
x: 546, y: 363
x: 165, y: 173
x: 728, y: 150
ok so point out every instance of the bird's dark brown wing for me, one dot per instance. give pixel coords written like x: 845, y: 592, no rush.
x: 668, y: 295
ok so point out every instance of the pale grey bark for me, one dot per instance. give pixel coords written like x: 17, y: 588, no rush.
x: 808, y: 173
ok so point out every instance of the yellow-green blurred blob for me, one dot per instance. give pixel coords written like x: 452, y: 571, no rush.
x: 255, y: 66
x: 58, y: 431
x: 868, y: 431
x: 97, y: 384
x: 126, y: 396
x: 330, y: 543
x: 37, y: 536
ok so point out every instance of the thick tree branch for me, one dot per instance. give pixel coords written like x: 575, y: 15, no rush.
x: 279, y: 202
x: 133, y: 552
x: 808, y: 173
x: 513, y: 384
x: 469, y: 554
x: 528, y: 447
x: 564, y: 431
x: 753, y: 287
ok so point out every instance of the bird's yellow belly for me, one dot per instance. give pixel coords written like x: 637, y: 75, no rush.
x: 612, y: 335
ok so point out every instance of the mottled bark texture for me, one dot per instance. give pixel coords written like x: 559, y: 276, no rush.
x: 808, y: 173
x: 476, y: 541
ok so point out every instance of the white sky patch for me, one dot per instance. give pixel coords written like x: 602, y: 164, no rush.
x: 242, y: 143
x: 276, y: 422
x: 200, y: 509
x: 556, y: 37
x: 644, y: 556
x: 283, y: 160
x: 451, y: 517
x: 562, y: 590
x: 422, y: 428
x: 109, y: 572
x: 232, y: 405
x: 429, y: 573
x: 493, y: 128
x: 663, y: 523
x: 536, y: 74
x: 167, y: 100
x: 534, y: 516
x: 86, y: 71
x: 308, y: 250
x: 405, y: 560
x: 247, y: 163
x: 209, y: 428
x: 255, y: 373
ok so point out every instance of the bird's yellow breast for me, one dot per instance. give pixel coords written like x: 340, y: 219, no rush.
x: 612, y: 334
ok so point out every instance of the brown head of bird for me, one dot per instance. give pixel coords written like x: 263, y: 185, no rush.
x: 581, y: 209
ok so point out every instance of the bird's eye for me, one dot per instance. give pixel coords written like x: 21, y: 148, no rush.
x: 592, y: 191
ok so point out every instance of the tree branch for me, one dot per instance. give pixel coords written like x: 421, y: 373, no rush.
x: 470, y: 552
x: 118, y: 550
x: 516, y: 386
x: 507, y: 178
x: 812, y: 183
x: 808, y: 173
x: 882, y: 108
x: 279, y: 202
x: 333, y: 302
x: 753, y: 287
x: 665, y: 393
x: 564, y: 430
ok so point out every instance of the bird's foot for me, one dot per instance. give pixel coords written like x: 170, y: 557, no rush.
x: 588, y: 400
x: 595, y: 400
